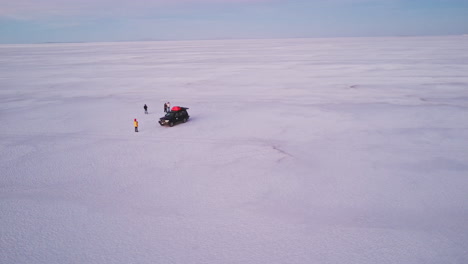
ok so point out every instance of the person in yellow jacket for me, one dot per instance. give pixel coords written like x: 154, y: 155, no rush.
x: 135, y: 123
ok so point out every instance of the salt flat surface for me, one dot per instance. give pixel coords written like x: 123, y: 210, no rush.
x: 297, y: 151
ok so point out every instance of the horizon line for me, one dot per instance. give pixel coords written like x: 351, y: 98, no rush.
x: 221, y: 39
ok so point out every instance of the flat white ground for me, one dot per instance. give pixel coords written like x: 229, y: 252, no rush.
x: 297, y: 151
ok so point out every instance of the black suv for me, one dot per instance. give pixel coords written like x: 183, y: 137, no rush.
x: 176, y: 115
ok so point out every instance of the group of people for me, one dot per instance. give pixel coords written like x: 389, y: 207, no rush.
x: 167, y: 109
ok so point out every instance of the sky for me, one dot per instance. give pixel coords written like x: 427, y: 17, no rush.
x: 39, y: 21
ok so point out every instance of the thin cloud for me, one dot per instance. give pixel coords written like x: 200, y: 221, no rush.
x: 24, y: 9
x: 30, y: 9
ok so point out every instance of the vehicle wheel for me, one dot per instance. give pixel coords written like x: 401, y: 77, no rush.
x: 171, y: 124
x: 184, y: 120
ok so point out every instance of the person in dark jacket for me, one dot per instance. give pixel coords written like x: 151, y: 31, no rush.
x: 165, y: 107
x: 146, y: 109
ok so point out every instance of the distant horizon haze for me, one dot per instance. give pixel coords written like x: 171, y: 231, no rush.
x: 29, y: 21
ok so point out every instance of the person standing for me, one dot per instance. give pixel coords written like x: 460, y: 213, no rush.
x: 146, y: 109
x: 135, y: 123
x: 168, y: 107
x: 165, y: 107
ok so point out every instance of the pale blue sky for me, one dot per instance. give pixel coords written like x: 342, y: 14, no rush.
x: 36, y: 21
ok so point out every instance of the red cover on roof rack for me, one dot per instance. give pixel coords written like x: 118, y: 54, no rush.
x: 175, y: 108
